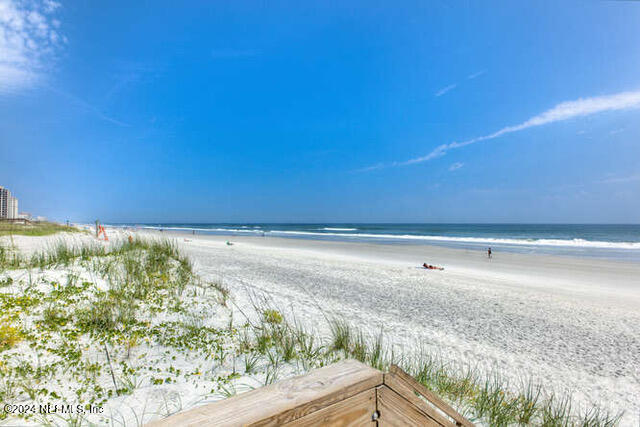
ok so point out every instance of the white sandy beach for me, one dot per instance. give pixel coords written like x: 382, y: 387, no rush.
x: 573, y: 324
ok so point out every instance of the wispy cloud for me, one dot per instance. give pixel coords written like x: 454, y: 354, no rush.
x: 455, y: 85
x: 455, y: 166
x: 29, y: 41
x: 621, y: 179
x: 86, y: 106
x: 561, y: 112
x: 476, y: 74
x: 446, y: 89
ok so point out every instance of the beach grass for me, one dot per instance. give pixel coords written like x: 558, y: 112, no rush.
x: 63, y: 253
x: 88, y: 331
x: 41, y: 228
x: 96, y: 330
x: 482, y: 397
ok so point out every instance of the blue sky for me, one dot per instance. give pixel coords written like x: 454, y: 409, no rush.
x: 322, y: 111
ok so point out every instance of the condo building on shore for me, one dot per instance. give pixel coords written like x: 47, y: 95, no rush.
x: 8, y: 204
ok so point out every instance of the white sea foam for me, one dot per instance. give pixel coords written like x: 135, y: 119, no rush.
x: 568, y: 243
x: 337, y: 229
x: 480, y: 240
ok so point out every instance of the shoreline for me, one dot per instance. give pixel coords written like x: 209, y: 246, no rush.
x: 572, y: 241
x: 553, y: 273
x: 572, y: 323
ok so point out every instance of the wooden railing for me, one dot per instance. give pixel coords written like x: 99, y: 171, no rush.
x: 347, y: 393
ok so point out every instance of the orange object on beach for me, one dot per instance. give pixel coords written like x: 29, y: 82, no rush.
x: 102, y: 231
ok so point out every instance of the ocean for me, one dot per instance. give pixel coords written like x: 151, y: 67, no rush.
x: 618, y: 241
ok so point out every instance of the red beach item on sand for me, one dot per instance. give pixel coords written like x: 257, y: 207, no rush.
x: 102, y: 231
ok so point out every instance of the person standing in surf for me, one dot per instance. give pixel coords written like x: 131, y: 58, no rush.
x: 489, y: 253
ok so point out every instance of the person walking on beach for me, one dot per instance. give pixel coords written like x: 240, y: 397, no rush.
x: 489, y: 253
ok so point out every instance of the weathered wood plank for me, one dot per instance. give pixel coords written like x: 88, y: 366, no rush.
x: 396, y: 411
x: 284, y: 401
x: 355, y: 411
x: 410, y: 382
x: 396, y: 384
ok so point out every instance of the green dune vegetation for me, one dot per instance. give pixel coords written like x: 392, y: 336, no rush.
x: 95, y: 324
x: 41, y: 228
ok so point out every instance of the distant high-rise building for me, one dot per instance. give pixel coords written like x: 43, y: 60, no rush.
x: 12, y: 208
x: 4, y: 202
x: 8, y: 204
